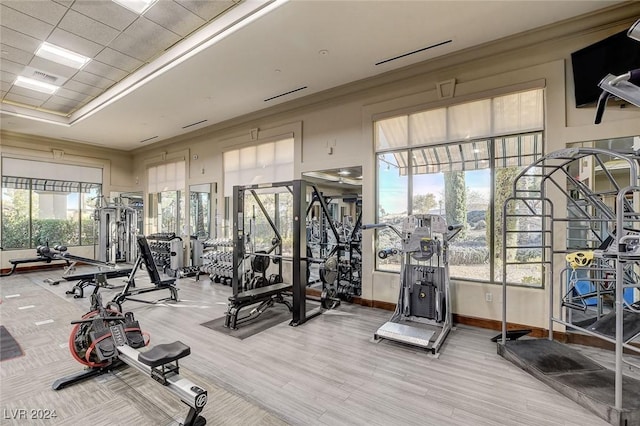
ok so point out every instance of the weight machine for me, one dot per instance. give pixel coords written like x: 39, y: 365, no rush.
x: 423, y: 314
x: 117, y: 228
x: 105, y: 338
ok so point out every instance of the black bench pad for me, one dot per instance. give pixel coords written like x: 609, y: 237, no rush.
x: 108, y: 274
x: 261, y: 292
x: 32, y: 260
x: 164, y: 354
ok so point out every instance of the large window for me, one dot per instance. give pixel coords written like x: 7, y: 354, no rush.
x: 41, y: 211
x: 459, y: 162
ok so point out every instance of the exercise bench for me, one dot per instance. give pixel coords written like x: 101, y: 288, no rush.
x: 266, y: 296
x: 47, y: 259
x: 146, y: 258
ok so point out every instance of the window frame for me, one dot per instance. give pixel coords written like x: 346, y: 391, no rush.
x: 492, y: 139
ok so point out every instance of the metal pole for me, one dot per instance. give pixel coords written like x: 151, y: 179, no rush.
x: 299, y: 278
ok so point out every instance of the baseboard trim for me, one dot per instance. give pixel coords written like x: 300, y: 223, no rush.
x: 491, y: 324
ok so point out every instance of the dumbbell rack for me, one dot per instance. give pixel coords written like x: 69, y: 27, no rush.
x: 217, y: 260
x: 166, y: 250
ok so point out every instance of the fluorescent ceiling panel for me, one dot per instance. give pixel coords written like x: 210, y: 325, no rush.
x: 40, y: 86
x: 62, y: 56
x: 137, y: 6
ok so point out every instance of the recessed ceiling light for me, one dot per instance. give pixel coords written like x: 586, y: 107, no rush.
x: 137, y: 6
x: 344, y: 172
x: 62, y: 56
x: 40, y: 86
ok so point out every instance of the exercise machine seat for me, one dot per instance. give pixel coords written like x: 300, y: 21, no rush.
x: 164, y: 354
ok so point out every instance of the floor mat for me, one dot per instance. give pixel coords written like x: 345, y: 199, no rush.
x: 266, y: 320
x: 9, y: 348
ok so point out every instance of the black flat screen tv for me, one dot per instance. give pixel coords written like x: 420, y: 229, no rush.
x: 616, y: 55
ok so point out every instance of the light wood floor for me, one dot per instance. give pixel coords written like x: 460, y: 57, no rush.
x: 325, y: 372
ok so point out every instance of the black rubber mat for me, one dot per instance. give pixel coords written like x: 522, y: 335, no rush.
x: 607, y: 325
x: 9, y: 347
x: 266, y: 320
x: 551, y: 357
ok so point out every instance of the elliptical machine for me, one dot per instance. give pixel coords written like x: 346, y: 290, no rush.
x: 423, y: 313
x: 105, y: 338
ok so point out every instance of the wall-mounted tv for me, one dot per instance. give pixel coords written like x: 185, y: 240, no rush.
x: 613, y: 55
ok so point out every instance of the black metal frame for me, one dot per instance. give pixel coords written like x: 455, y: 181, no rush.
x: 145, y: 257
x: 270, y: 294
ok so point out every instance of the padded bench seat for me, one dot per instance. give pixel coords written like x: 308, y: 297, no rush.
x: 116, y: 273
x: 164, y: 354
x: 259, y: 293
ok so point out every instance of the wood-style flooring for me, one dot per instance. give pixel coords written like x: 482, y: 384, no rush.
x: 325, y: 372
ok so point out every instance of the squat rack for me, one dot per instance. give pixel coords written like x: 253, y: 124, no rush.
x: 299, y: 189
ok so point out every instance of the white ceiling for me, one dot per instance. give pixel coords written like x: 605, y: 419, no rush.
x: 259, y: 50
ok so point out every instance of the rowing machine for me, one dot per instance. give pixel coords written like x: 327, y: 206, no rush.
x: 105, y: 338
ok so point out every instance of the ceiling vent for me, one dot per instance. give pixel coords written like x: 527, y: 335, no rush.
x: 148, y: 139
x: 285, y: 93
x: 194, y: 124
x: 43, y: 76
x: 413, y: 52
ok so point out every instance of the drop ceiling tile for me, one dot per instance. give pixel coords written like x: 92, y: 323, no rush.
x: 74, y: 43
x: 144, y: 40
x: 93, y: 80
x: 65, y: 106
x: 70, y: 95
x: 66, y: 3
x: 5, y: 86
x: 51, y: 67
x: 107, y: 12
x: 44, y: 10
x: 25, y: 100
x: 7, y: 77
x: 76, y: 86
x: 11, y: 67
x: 174, y: 17
x: 28, y: 93
x: 88, y: 28
x: 104, y: 70
x: 206, y: 9
x: 119, y: 60
x: 18, y: 40
x: 18, y: 21
x: 10, y: 53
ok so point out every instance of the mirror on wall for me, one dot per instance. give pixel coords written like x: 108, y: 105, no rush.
x: 341, y: 189
x: 202, y: 218
x: 202, y: 210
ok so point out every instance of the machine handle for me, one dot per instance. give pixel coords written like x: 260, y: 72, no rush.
x: 374, y: 226
x: 602, y: 103
x: 634, y: 77
x: 454, y: 227
x: 83, y: 321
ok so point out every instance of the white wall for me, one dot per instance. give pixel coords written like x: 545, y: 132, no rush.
x: 342, y: 118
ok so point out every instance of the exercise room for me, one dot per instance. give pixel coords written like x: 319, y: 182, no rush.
x: 272, y: 212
